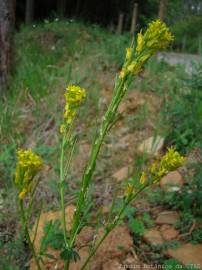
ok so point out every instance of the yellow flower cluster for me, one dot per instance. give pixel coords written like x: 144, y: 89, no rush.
x: 74, y: 96
x: 169, y: 162
x: 27, y: 167
x: 156, y: 37
x: 130, y: 189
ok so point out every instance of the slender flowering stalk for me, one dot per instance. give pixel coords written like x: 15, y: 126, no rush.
x: 134, y: 61
x: 169, y: 162
x: 74, y: 96
x: 28, y: 165
x: 156, y: 37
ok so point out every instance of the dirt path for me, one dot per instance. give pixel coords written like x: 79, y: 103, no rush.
x: 188, y: 60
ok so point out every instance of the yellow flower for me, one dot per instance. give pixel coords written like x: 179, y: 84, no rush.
x: 22, y: 194
x: 128, y: 53
x: 62, y: 128
x: 143, y: 178
x: 169, y: 162
x: 139, y: 42
x: 129, y: 190
x: 122, y: 74
x: 134, y: 67
x: 29, y: 164
x: 156, y: 37
x: 74, y: 96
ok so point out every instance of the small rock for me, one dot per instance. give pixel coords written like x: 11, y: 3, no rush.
x: 156, y: 210
x: 121, y: 174
x: 152, y: 146
x: 187, y: 254
x: 117, y: 243
x: 171, y: 180
x: 168, y: 232
x: 48, y: 216
x: 153, y: 237
x: 167, y: 217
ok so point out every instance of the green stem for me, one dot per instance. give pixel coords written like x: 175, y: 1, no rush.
x: 107, y: 120
x: 26, y: 232
x: 111, y: 227
x: 62, y: 200
x: 94, y: 250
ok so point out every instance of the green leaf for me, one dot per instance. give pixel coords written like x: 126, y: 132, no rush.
x: 65, y: 255
x: 69, y: 255
x: 136, y: 226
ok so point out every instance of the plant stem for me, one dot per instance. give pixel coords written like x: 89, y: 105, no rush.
x: 111, y: 227
x: 119, y: 91
x: 62, y: 200
x: 26, y: 232
x: 94, y: 250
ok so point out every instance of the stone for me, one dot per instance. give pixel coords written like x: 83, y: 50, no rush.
x: 116, y: 244
x: 172, y: 179
x: 153, y: 237
x: 167, y: 217
x: 187, y: 254
x: 152, y: 146
x: 48, y: 216
x: 168, y: 232
x: 121, y: 174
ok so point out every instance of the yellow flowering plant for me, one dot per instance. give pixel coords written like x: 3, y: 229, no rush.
x: 28, y: 165
x: 156, y: 37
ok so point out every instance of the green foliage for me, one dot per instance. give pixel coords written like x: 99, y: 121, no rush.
x: 53, y: 236
x: 7, y: 164
x: 136, y: 226
x: 188, y: 200
x: 183, y: 112
x: 15, y: 257
x: 188, y: 34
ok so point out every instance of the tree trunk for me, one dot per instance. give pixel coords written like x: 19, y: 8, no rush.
x: 7, y: 20
x: 61, y: 8
x: 134, y: 19
x: 120, y: 24
x: 162, y: 9
x: 29, y: 12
